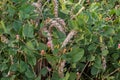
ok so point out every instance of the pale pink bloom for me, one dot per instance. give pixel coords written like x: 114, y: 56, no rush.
x: 118, y: 46
x: 17, y: 37
x: 48, y: 44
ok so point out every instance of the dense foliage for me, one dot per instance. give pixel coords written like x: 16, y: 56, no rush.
x: 59, y: 40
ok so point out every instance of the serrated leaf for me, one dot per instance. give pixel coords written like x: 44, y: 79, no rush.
x: 28, y: 31
x: 22, y: 66
x: 44, y: 71
x: 29, y: 74
x: 42, y: 46
x: 16, y: 26
x: 98, y: 63
x: 55, y: 76
x: 105, y: 52
x: 3, y: 67
x: 52, y: 60
x: 94, y: 71
x: 76, y: 54
x: 30, y: 45
x: 38, y: 78
x: 72, y: 76
x: 66, y: 76
x: 4, y: 27
x: 91, y: 58
x: 31, y: 59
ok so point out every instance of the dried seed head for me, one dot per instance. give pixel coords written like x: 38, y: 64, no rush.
x: 58, y: 23
x: 61, y: 68
x: 4, y: 39
x: 37, y: 5
x: 57, y: 26
x: 103, y: 62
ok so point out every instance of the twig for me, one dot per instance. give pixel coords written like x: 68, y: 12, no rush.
x: 11, y: 59
x: 118, y: 69
x: 83, y: 70
x: 71, y: 12
x: 78, y: 13
x: 10, y: 73
x: 61, y: 68
x: 87, y: 76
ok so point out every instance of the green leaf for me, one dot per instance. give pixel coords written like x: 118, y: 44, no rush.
x: 76, y: 54
x: 94, y: 71
x: 22, y: 66
x: 92, y: 47
x: 3, y: 67
x: 94, y: 6
x: 74, y: 24
x: 72, y: 76
x: 4, y: 27
x: 98, y: 63
x: 115, y: 56
x: 11, y: 10
x: 44, y: 71
x: 52, y: 59
x: 30, y: 45
x: 5, y: 78
x: 17, y: 25
x: 38, y: 78
x: 28, y: 31
x: 13, y: 67
x: 42, y: 46
x: 109, y: 31
x: 105, y: 52
x: 90, y: 57
x: 66, y: 76
x: 117, y: 12
x: 55, y: 76
x: 26, y: 8
x: 31, y: 59
x: 29, y: 74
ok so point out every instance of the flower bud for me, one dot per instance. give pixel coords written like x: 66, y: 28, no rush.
x: 48, y: 44
x: 42, y: 52
x: 17, y: 37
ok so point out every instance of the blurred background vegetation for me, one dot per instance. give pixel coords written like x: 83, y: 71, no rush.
x: 59, y: 39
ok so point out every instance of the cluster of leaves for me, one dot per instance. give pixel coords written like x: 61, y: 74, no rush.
x: 92, y: 54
